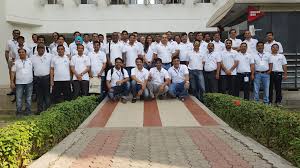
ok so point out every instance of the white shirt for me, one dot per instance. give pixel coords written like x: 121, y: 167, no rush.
x: 116, y: 50
x: 228, y: 58
x: 251, y: 45
x: 103, y: 47
x: 262, y: 61
x: 158, y: 77
x: 34, y: 51
x: 116, y: 76
x: 61, y: 67
x: 54, y: 51
x: 54, y: 45
x: 88, y: 47
x: 10, y: 46
x: 219, y: 46
x: 149, y: 54
x: 177, y: 75
x: 268, y: 46
x: 15, y: 53
x: 203, y: 46
x: 245, y: 60
x: 195, y: 60
x: 23, y: 69
x: 278, y: 60
x: 211, y: 61
x: 236, y: 43
x: 141, y: 75
x: 81, y: 63
x: 164, y: 52
x: 131, y: 53
x: 41, y: 64
x: 184, y: 49
x: 139, y: 44
x: 174, y: 44
x: 73, y: 49
x: 97, y: 61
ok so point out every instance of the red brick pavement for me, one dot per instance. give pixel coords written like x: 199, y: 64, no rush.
x: 100, y: 151
x: 151, y: 114
x: 199, y: 114
x: 218, y: 153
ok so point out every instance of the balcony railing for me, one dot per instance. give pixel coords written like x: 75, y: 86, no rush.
x: 293, y: 69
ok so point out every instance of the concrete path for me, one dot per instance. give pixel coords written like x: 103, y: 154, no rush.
x: 157, y: 134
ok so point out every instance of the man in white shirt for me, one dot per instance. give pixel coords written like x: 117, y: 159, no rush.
x: 10, y: 46
x: 41, y: 63
x: 60, y: 75
x: 73, y: 48
x: 21, y: 79
x: 235, y: 42
x: 54, y: 41
x: 159, y: 80
x: 279, y: 72
x: 117, y: 81
x: 41, y: 40
x: 263, y: 68
x: 34, y: 43
x: 73, y: 45
x: 251, y: 43
x: 207, y: 38
x: 165, y: 51
x: 219, y: 46
x: 184, y: 48
x: 203, y: 44
x: 61, y: 41
x: 98, y: 64
x: 21, y: 44
x: 179, y: 75
x: 124, y: 37
x: 88, y: 46
x: 270, y: 42
x: 212, y: 65
x: 139, y: 76
x: 131, y: 51
x: 114, y: 49
x: 195, y: 66
x: 191, y: 37
x: 80, y: 67
x: 228, y: 73
x: 245, y: 70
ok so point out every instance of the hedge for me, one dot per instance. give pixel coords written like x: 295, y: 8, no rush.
x: 31, y: 137
x: 275, y: 128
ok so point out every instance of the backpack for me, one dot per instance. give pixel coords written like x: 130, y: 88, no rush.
x: 33, y: 49
x: 112, y: 71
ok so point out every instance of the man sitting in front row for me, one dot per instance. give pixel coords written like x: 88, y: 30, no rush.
x: 117, y: 82
x: 159, y: 80
x: 179, y: 74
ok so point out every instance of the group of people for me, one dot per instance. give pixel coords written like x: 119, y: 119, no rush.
x: 147, y: 67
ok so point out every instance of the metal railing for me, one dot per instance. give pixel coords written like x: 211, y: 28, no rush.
x: 293, y: 69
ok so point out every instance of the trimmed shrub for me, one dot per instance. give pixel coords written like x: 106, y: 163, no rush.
x: 275, y: 128
x: 31, y: 137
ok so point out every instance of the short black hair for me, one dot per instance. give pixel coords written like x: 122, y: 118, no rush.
x: 228, y: 40
x: 158, y: 60
x: 131, y: 35
x: 232, y: 30
x: 120, y: 59
x: 60, y: 46
x: 16, y: 30
x: 206, y: 34
x: 21, y: 37
x: 40, y: 46
x: 191, y: 33
x: 243, y: 43
x: 174, y: 58
x: 260, y: 42
x: 199, y: 33
x: 124, y: 31
x: 33, y: 35
x: 108, y: 36
x: 61, y: 36
x: 275, y: 44
x: 183, y: 34
x: 55, y: 33
x: 41, y: 36
x: 80, y: 45
x: 96, y: 42
x: 76, y: 33
x: 22, y: 49
x: 270, y: 33
x: 85, y: 34
x: 101, y: 35
x: 138, y: 58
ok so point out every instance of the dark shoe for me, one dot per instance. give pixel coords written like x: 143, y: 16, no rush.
x: 133, y: 100
x: 13, y: 100
x: 181, y: 99
x: 10, y: 94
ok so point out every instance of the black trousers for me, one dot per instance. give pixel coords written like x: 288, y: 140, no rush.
x: 80, y: 88
x: 228, y: 85
x: 245, y: 85
x: 275, y: 80
x: 42, y: 92
x: 211, y: 83
x: 61, y: 88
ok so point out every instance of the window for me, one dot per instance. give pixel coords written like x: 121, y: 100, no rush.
x: 84, y: 1
x: 117, y: 2
x: 52, y: 1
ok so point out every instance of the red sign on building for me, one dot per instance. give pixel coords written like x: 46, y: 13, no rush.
x: 254, y: 14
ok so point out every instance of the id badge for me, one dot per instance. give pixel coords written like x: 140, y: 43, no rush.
x: 246, y: 79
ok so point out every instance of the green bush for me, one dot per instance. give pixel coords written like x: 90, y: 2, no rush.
x: 277, y: 129
x: 33, y: 136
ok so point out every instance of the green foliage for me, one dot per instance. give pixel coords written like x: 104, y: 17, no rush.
x: 273, y: 127
x: 33, y: 136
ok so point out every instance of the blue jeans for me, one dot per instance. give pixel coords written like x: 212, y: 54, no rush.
x: 119, y: 91
x: 197, y: 83
x: 178, y: 90
x: 265, y: 79
x: 166, y: 66
x: 137, y: 87
x: 128, y: 69
x: 25, y: 89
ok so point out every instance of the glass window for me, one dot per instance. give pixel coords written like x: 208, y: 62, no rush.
x: 52, y: 1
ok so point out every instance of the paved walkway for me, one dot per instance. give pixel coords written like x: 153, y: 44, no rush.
x: 157, y: 134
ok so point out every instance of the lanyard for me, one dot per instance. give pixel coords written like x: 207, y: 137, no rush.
x: 119, y: 74
x: 24, y: 63
x: 261, y: 56
x: 177, y: 72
